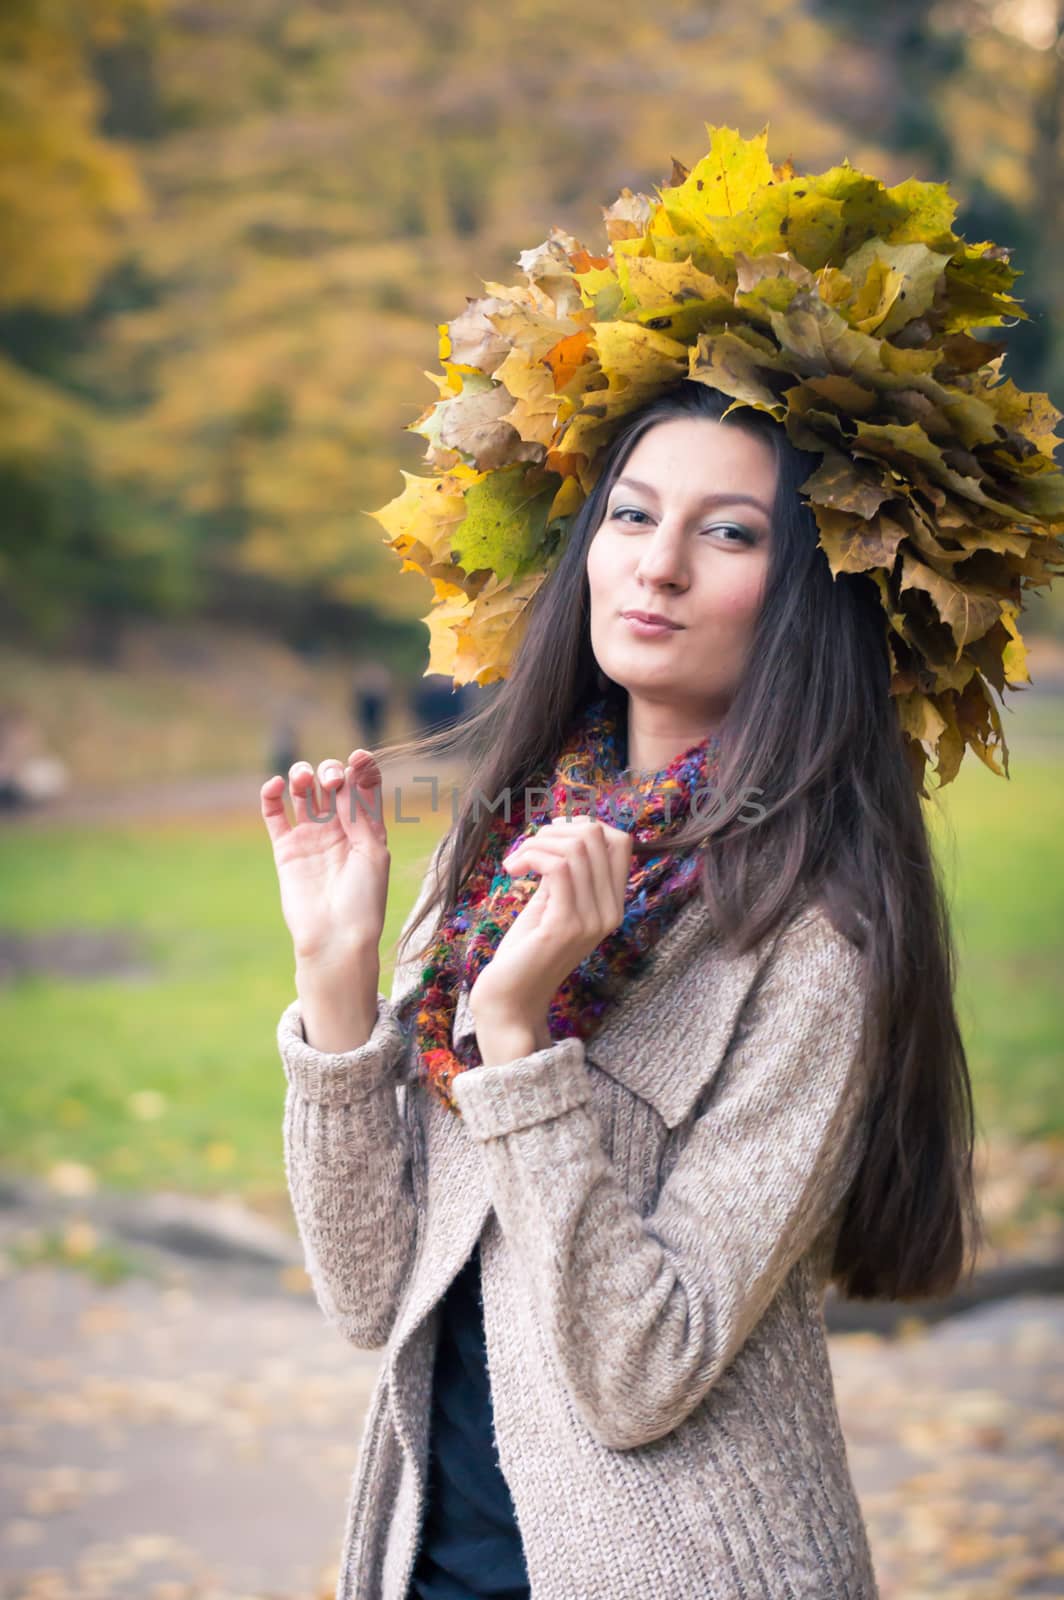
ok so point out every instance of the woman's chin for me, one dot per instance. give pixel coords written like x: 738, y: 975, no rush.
x: 638, y: 680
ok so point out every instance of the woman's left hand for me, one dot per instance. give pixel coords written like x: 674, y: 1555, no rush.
x: 583, y: 865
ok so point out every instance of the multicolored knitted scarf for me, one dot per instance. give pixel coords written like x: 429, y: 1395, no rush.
x: 646, y: 805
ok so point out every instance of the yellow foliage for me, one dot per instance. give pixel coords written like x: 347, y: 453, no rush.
x: 841, y: 306
x: 64, y: 189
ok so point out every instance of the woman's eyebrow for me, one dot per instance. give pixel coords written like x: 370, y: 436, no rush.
x: 732, y: 497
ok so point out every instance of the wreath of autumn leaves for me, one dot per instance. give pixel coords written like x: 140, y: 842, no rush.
x: 843, y: 308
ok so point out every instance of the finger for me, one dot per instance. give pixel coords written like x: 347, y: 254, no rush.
x: 588, y: 841
x: 300, y: 784
x: 618, y: 857
x: 547, y: 852
x: 271, y: 804
x: 363, y: 807
x: 619, y: 850
x: 330, y: 773
x: 563, y: 913
x: 561, y: 910
x: 611, y: 864
x: 584, y: 842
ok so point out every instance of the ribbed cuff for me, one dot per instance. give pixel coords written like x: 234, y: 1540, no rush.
x: 336, y: 1079
x: 516, y: 1094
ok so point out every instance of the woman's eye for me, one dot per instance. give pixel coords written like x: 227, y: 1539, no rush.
x: 732, y: 527
x: 623, y: 513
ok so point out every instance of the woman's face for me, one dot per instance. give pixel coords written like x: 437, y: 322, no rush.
x: 686, y: 533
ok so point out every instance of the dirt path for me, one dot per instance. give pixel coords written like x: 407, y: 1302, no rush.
x: 955, y: 1437
x: 190, y: 1439
x: 1041, y: 733
x: 407, y: 792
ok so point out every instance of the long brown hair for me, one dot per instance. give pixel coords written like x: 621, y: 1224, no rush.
x: 811, y: 731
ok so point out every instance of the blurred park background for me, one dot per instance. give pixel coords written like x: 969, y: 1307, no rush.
x: 227, y: 234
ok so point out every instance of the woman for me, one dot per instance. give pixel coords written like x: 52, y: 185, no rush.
x: 703, y: 1054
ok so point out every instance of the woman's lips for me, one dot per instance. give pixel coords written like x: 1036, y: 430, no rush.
x: 648, y: 630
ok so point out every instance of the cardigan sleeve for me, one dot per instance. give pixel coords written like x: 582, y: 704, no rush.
x: 644, y: 1313
x: 349, y: 1166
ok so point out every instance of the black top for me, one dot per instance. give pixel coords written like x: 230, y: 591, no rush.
x: 470, y: 1546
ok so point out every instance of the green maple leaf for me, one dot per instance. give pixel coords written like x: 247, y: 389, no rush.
x: 505, y: 524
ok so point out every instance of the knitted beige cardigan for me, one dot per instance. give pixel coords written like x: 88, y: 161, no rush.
x: 656, y: 1210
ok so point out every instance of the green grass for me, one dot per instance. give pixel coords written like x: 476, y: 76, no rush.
x: 199, y: 1030
x: 1002, y: 851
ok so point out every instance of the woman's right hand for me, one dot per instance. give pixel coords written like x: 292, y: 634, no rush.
x: 333, y: 874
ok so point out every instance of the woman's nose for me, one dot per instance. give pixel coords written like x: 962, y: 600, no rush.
x: 663, y: 558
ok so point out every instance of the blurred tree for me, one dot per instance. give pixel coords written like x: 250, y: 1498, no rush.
x: 901, y: 103
x: 71, y: 547
x: 63, y: 185
x: 325, y: 183
x: 1047, y: 180
x: 936, y: 82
